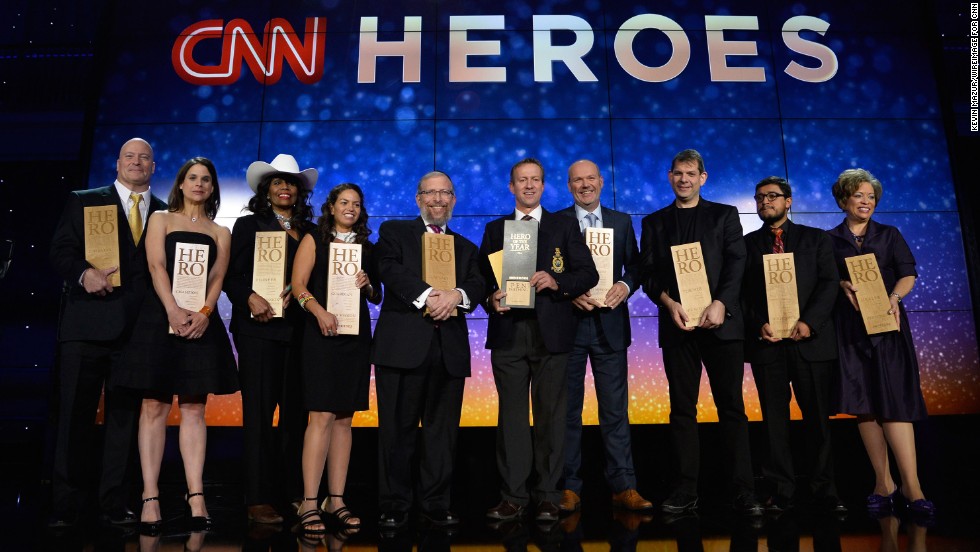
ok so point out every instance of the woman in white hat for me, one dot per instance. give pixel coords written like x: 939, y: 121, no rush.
x: 268, y: 333
x: 336, y: 368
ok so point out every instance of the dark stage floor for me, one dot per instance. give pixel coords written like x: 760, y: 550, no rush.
x: 944, y: 445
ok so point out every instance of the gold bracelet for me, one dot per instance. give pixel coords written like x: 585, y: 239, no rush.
x: 206, y: 311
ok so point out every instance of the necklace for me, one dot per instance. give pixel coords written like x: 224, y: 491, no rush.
x: 346, y: 237
x: 286, y: 222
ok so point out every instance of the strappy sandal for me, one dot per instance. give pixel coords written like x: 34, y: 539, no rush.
x: 151, y: 528
x: 341, y: 515
x: 309, y: 519
x: 198, y: 523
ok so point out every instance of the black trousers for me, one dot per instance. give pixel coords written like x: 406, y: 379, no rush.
x: 430, y: 395
x: 83, y: 372
x: 269, y: 375
x: 528, y: 364
x: 811, y: 384
x: 724, y: 363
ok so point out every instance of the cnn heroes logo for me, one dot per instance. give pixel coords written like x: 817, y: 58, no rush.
x: 278, y: 46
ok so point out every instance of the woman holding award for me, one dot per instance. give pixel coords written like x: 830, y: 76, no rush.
x: 879, y: 373
x: 187, y: 255
x: 336, y: 350
x: 267, y: 327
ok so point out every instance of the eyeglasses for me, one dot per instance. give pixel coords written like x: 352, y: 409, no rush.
x: 771, y: 196
x: 437, y: 193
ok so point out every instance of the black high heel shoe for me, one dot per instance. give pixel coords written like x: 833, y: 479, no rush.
x: 151, y: 528
x: 198, y: 523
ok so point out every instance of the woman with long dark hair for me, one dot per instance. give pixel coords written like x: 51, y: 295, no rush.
x: 336, y: 368
x: 195, y: 359
x: 268, y: 334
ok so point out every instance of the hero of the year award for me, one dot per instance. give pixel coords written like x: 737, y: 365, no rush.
x: 520, y: 261
x: 600, y: 242
x: 871, y: 297
x: 439, y: 262
x: 190, y: 282
x: 269, y: 268
x: 102, y: 239
x: 343, y: 297
x: 779, y: 270
x: 692, y: 280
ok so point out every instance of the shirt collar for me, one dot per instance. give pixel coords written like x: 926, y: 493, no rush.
x: 535, y: 214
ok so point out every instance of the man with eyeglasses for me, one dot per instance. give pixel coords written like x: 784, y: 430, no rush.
x: 529, y: 348
x: 421, y: 355
x: 805, y: 359
x: 602, y: 338
x: 714, y: 340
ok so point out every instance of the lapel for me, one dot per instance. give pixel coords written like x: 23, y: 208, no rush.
x: 702, y: 220
x: 670, y: 222
x: 792, y: 237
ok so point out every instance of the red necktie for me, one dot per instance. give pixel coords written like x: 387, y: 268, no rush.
x: 435, y: 229
x: 777, y: 244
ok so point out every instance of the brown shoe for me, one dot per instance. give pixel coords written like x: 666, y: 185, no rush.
x: 631, y: 500
x: 570, y: 502
x: 263, y: 513
x: 505, y: 510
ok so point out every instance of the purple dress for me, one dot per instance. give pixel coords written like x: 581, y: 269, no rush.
x: 879, y: 374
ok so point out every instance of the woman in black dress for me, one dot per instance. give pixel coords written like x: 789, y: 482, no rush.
x: 194, y: 360
x: 268, y: 337
x: 336, y: 368
x: 879, y: 374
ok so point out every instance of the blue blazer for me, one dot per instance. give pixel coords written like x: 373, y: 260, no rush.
x: 626, y: 268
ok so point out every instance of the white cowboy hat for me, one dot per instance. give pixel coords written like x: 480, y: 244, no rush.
x: 281, y: 164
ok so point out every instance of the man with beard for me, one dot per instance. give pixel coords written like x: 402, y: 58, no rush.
x: 421, y: 355
x: 805, y: 359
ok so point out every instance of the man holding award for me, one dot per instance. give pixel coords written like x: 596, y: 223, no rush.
x: 421, y: 353
x: 98, y: 249
x: 535, y: 263
x: 788, y: 295
x: 602, y: 338
x: 693, y: 259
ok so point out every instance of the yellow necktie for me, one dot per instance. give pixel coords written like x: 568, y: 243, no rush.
x: 135, y: 218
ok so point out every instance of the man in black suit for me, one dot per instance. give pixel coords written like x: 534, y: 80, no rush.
x: 805, y: 358
x: 602, y: 337
x: 421, y: 355
x: 529, y: 347
x: 715, y: 339
x: 93, y: 330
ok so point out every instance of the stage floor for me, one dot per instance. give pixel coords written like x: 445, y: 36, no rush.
x: 948, y: 478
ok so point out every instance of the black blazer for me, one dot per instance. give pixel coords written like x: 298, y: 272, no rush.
x: 626, y: 266
x: 720, y: 233
x: 88, y: 317
x: 553, y: 309
x: 238, y: 280
x: 403, y: 334
x: 817, y: 283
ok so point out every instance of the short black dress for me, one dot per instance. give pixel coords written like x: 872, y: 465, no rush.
x: 337, y: 370
x: 879, y: 374
x: 160, y: 363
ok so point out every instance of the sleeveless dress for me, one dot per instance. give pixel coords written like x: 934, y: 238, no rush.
x: 336, y: 370
x: 160, y: 363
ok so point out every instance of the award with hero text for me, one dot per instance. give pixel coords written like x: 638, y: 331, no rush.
x: 519, y: 263
x: 439, y: 262
x: 692, y: 280
x: 779, y: 270
x: 600, y: 242
x: 343, y: 297
x: 269, y: 268
x: 190, y: 284
x: 872, y: 296
x: 102, y: 239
